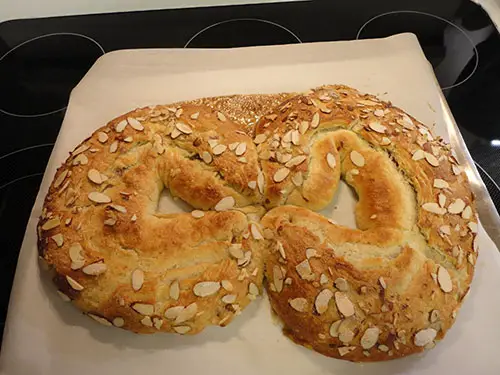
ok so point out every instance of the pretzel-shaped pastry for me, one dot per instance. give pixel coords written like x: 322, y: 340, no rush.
x: 393, y: 286
x: 126, y: 265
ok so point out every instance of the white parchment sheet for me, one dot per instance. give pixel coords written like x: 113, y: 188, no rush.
x: 45, y: 335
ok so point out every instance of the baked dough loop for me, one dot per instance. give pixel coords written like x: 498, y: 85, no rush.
x: 391, y: 287
x: 125, y: 264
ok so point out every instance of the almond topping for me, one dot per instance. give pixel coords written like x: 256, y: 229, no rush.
x: 370, y: 338
x: 95, y: 269
x: 440, y: 184
x: 425, y: 336
x: 344, y: 305
x: 98, y: 197
x: 135, y: 124
x: 206, y: 157
x: 357, y: 159
x: 377, y: 127
x: 221, y: 116
x: 322, y: 300
x: 197, y: 214
x: 434, y: 208
x: 144, y: 308
x: 206, y: 288
x: 121, y: 126
x: 260, y: 138
x: 74, y: 284
x: 281, y: 174
x: 183, y: 128
x: 241, y: 149
x: 298, y: 304
x: 315, y: 120
x: 225, y: 204
x: 456, y: 207
x: 444, y: 280
x: 137, y: 279
x: 102, y: 137
x: 330, y: 159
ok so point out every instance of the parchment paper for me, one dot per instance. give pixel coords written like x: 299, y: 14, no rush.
x: 45, y: 335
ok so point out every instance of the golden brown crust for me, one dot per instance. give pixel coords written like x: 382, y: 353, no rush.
x: 385, y: 290
x: 393, y: 286
x: 124, y: 264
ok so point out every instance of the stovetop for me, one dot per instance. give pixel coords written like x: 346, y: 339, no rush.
x: 41, y: 60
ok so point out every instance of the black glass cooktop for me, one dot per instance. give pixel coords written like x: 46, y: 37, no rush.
x: 41, y: 60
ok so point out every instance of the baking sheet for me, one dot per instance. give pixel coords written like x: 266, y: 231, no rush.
x: 45, y: 335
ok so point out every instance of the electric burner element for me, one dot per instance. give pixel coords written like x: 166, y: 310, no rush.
x: 447, y: 46
x: 37, y: 76
x: 242, y: 32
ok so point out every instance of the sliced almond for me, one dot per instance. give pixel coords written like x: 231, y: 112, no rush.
x: 227, y: 285
x: 252, y: 184
x: 146, y: 321
x: 260, y: 138
x: 225, y: 204
x: 370, y: 338
x: 456, y: 207
x: 444, y: 280
x: 297, y: 160
x: 344, y: 304
x: 175, y: 133
x: 385, y: 141
x: 260, y: 181
x: 100, y: 320
x: 278, y: 278
x: 297, y: 179
x: 206, y: 288
x: 173, y: 312
x: 456, y: 169
x: 434, y: 316
x: 281, y: 249
x: 418, y: 155
x: 434, y: 208
x: 137, y: 279
x: 95, y: 269
x: 128, y: 139
x: 75, y: 254
x: 113, y: 147
x: 188, y: 313
x: 213, y: 142
x: 179, y: 112
x: 315, y: 120
x: 51, y: 224
x: 472, y: 226
x: 206, y: 157
x: 197, y: 214
x: 334, y: 328
x: 195, y: 116
x: 256, y: 232
x: 311, y: 253
x: 467, y: 213
x: 183, y: 128
x: 121, y: 126
x: 241, y: 149
x: 135, y: 124
x: 174, y: 291
x: 445, y: 229
x: 98, y: 197
x: 330, y: 159
x: 322, y: 300
x: 236, y: 251
x: 431, y: 159
x: 440, y: 184
x: 281, y: 174
x: 144, y: 308
x: 118, y: 322
x: 296, y: 137
x: 95, y: 176
x: 357, y: 159
x: 406, y: 122
x: 298, y: 304
x: 304, y: 125
x: 229, y: 298
x: 341, y: 284
x: 382, y: 282
x: 253, y: 289
x: 425, y: 336
x: 219, y: 149
x: 118, y: 208
x: 377, y: 127
x: 221, y: 116
x: 182, y: 329
x: 74, y: 284
x: 379, y: 112
x: 58, y: 239
x: 102, y: 137
x: 60, y: 179
x: 304, y: 269
x: 80, y: 149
